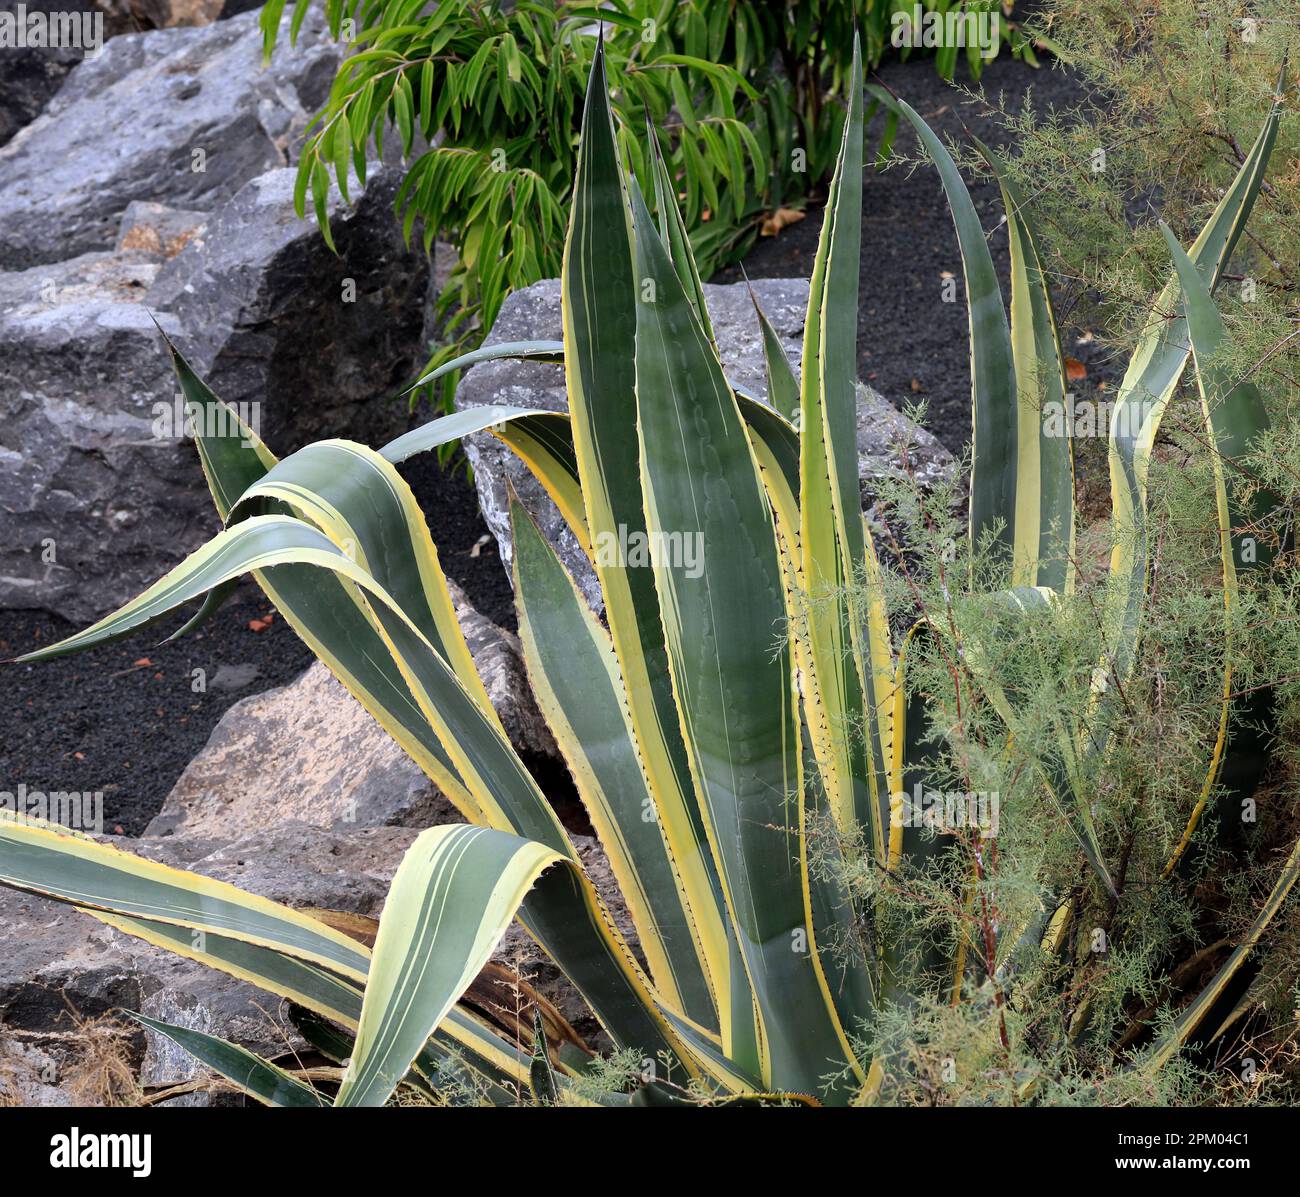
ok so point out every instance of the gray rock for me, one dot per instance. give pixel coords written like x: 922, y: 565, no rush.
x: 230, y: 678
x: 28, y: 1075
x: 137, y: 120
x: 534, y: 314
x: 31, y: 75
x: 93, y: 505
x: 321, y: 760
x: 157, y: 229
x: 96, y: 499
x: 270, y: 316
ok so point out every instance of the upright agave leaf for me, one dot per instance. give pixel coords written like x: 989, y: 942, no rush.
x: 731, y: 667
x: 844, y: 711
x: 600, y: 323
x: 995, y: 477
x: 1043, y: 524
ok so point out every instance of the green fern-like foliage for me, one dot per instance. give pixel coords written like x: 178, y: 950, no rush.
x: 485, y: 100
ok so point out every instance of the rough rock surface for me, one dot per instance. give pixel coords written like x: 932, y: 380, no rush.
x: 319, y: 758
x: 85, y: 466
x: 268, y: 315
x: 534, y: 314
x: 93, y: 505
x: 31, y: 75
x: 140, y: 119
x: 157, y: 229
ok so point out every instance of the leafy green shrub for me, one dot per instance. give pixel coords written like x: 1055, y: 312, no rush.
x: 746, y: 735
x: 749, y: 99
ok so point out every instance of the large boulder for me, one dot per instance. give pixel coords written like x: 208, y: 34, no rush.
x: 100, y: 494
x: 180, y: 116
x: 321, y: 342
x: 534, y: 314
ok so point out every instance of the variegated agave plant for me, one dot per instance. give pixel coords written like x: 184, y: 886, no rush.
x: 703, y: 741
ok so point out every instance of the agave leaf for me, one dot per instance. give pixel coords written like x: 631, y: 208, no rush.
x: 40, y: 859
x: 541, y: 1075
x: 995, y: 479
x: 575, y: 678
x: 600, y: 324
x: 734, y: 690
x: 358, y: 499
x: 672, y: 228
x: 1148, y: 384
x: 782, y: 385
x: 1235, y: 418
x: 1043, y: 525
x: 1188, y: 1021
x: 542, y: 440
x: 452, y: 899
x: 536, y: 351
x: 843, y: 709
x: 250, y: 1074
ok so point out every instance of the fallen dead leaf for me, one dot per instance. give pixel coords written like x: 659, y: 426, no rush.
x: 779, y: 219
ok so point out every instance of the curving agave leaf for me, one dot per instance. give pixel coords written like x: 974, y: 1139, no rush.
x: 1235, y: 419
x: 1144, y: 393
x: 452, y: 899
x: 250, y: 1074
x: 1191, y: 1018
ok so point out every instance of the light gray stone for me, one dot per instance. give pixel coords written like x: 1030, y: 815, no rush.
x: 85, y: 466
x: 133, y: 122
x: 93, y: 505
x: 319, y: 759
x: 157, y: 229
